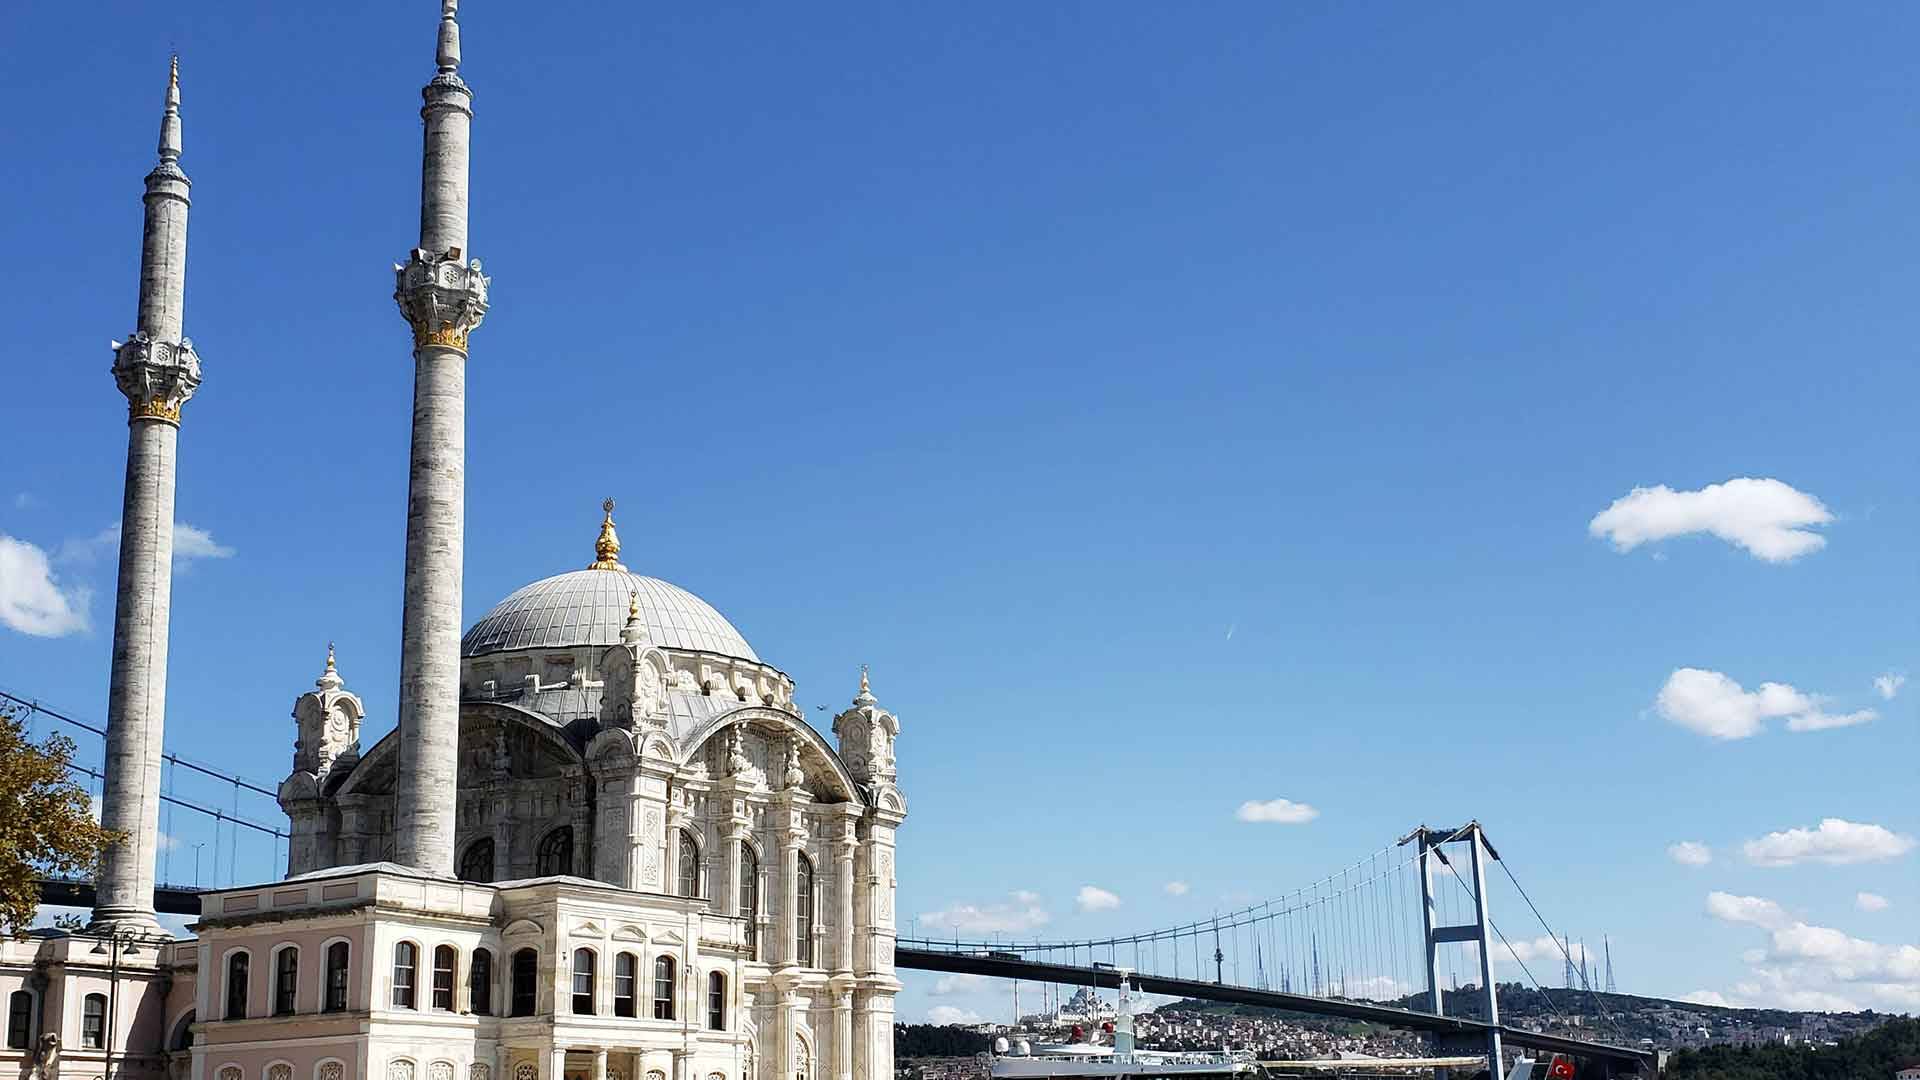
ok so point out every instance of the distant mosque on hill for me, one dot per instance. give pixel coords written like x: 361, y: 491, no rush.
x: 602, y: 842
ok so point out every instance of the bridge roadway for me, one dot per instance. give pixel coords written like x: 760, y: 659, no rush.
x: 1456, y: 1030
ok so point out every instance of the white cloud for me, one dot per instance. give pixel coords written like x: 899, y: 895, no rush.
x: 190, y: 542
x: 1177, y: 888
x: 1277, y: 811
x: 1021, y: 911
x: 1712, y: 704
x: 1708, y: 997
x: 957, y: 984
x: 1868, y: 901
x: 1095, y: 898
x: 31, y: 601
x: 1834, y: 842
x: 1530, y: 951
x: 1690, y: 853
x: 1752, y: 910
x: 1889, y: 684
x: 950, y: 1014
x: 1765, y: 517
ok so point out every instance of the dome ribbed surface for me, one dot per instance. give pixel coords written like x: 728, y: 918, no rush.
x: 589, y: 607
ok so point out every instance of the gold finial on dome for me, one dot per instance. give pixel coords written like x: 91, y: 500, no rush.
x: 329, y: 656
x: 864, y: 688
x: 633, y: 604
x: 606, y: 550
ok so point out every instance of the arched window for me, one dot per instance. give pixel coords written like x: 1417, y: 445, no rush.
x: 663, y: 987
x: 237, y: 986
x: 689, y: 865
x: 444, y: 959
x: 336, y: 978
x: 480, y: 983
x: 477, y: 863
x: 93, y: 1022
x: 183, y: 1032
x: 803, y: 910
x: 286, y: 980
x: 626, y: 969
x: 717, y: 1000
x: 406, y: 971
x: 583, y: 982
x: 750, y: 898
x: 526, y: 983
x: 556, y: 853
x: 20, y: 1020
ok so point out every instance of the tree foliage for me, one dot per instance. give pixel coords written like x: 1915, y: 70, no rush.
x: 936, y: 1040
x: 1873, y: 1056
x: 46, y: 819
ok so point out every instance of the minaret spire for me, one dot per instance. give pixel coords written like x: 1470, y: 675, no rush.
x: 443, y: 295
x: 158, y: 370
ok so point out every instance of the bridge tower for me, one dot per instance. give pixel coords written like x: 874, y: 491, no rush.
x: 1433, y: 859
x: 157, y: 369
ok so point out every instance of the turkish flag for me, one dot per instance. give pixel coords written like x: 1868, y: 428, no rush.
x: 1562, y: 1069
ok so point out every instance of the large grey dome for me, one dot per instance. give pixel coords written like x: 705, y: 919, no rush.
x: 589, y: 607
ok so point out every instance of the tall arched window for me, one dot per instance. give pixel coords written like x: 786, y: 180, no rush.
x: 336, y: 978
x: 556, y: 853
x: 803, y: 910
x: 20, y: 1020
x: 477, y: 862
x: 663, y: 987
x: 480, y: 983
x: 406, y: 974
x: 750, y: 899
x: 625, y: 971
x: 689, y: 865
x: 237, y: 964
x: 93, y: 1022
x: 717, y: 1000
x: 286, y: 980
x: 444, y: 959
x: 583, y: 982
x: 525, y: 999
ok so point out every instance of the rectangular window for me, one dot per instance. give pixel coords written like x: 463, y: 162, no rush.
x: 20, y: 1020
x: 663, y: 988
x: 93, y: 1022
x: 337, y: 977
x: 526, y: 982
x: 443, y: 961
x: 716, y: 1001
x: 405, y: 967
x: 583, y: 982
x: 286, y: 980
x: 623, y: 976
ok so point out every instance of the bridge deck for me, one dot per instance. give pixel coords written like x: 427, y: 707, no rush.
x: 969, y: 964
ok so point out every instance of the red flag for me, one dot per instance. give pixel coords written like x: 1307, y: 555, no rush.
x: 1562, y: 1068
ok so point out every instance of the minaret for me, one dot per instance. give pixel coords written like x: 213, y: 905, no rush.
x: 158, y: 371
x: 443, y: 295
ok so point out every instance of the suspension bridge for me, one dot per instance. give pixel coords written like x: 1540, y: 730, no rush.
x: 1384, y: 941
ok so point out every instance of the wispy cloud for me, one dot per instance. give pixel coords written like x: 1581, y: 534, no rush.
x: 1764, y: 517
x: 190, y: 542
x: 1020, y: 911
x: 1834, y: 841
x: 953, y: 1014
x: 1714, y: 705
x: 1868, y: 901
x: 32, y: 601
x: 1889, y: 684
x: 1177, y: 888
x: 1276, y: 811
x: 947, y: 985
x: 1690, y: 853
x: 1095, y: 898
x: 1805, y: 966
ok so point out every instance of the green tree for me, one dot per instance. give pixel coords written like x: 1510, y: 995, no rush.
x: 46, y: 819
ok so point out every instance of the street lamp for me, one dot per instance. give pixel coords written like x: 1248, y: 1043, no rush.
x: 196, y: 862
x: 115, y: 943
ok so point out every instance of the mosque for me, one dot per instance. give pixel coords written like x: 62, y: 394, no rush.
x: 602, y: 842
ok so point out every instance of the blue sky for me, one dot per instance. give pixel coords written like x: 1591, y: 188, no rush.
x: 1175, y: 408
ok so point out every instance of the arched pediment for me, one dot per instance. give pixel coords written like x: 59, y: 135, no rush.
x: 520, y: 928
x: 816, y: 750
x: 496, y: 739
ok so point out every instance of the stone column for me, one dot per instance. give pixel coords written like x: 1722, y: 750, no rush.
x: 600, y: 1063
x: 444, y: 297
x: 557, y: 1062
x: 843, y: 1035
x: 844, y: 851
x: 158, y: 371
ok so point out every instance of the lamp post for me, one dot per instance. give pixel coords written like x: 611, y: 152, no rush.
x: 196, y: 862
x: 115, y: 944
